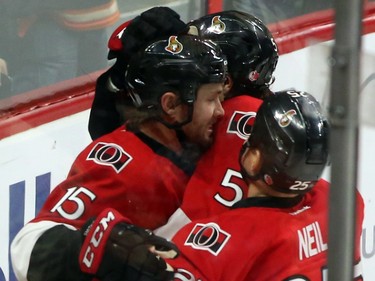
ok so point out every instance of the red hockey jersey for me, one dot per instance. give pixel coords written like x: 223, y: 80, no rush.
x: 262, y: 239
x: 216, y: 183
x: 141, y: 179
x: 119, y: 171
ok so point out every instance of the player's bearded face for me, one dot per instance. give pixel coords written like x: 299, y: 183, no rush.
x: 207, y: 111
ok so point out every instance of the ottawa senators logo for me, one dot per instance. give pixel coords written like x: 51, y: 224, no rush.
x: 286, y: 118
x: 110, y: 154
x: 217, y: 25
x: 209, y: 237
x: 241, y: 124
x: 174, y: 46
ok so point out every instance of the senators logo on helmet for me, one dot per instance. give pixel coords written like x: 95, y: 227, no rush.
x: 217, y: 25
x: 286, y: 118
x: 174, y: 46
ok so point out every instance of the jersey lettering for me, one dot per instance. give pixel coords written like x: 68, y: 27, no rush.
x: 296, y: 94
x: 311, y: 241
x: 228, y: 183
x: 75, y: 195
x: 110, y: 154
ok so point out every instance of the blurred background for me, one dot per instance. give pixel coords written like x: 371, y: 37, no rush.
x: 42, y: 44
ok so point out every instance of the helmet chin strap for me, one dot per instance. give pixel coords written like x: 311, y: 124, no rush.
x: 178, y: 129
x: 191, y: 151
x: 178, y: 125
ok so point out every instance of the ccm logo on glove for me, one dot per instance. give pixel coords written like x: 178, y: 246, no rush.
x: 97, y: 235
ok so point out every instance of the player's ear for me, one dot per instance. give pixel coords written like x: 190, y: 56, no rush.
x: 252, y: 161
x: 169, y: 102
x: 228, y: 84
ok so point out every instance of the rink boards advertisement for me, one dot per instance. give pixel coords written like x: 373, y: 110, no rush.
x: 33, y: 162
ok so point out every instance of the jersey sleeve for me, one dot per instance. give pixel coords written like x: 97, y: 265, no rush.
x: 106, y: 174
x: 31, y: 254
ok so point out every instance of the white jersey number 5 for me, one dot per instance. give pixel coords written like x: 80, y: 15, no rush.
x: 228, y: 183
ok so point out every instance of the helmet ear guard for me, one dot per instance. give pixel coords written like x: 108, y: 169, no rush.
x: 291, y: 132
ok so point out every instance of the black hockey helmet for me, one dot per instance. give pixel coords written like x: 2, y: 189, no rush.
x: 248, y: 44
x: 292, y: 134
x: 178, y: 64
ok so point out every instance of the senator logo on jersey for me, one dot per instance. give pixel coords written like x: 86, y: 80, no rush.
x: 241, y: 124
x: 109, y: 154
x: 209, y: 237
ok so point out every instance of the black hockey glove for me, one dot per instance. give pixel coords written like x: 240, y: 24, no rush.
x: 124, y: 42
x: 131, y: 36
x: 152, y: 24
x: 116, y: 250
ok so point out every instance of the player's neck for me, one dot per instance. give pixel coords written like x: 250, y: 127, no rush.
x: 162, y: 134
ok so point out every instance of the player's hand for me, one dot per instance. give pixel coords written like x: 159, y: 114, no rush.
x: 131, y: 36
x: 152, y: 24
x: 116, y: 250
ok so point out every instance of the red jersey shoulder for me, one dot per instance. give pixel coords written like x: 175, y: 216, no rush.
x: 109, y: 154
x: 116, y: 151
x: 122, y: 172
x: 253, y: 232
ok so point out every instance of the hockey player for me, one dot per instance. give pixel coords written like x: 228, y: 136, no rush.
x: 139, y: 170
x: 216, y: 183
x: 280, y: 231
x: 125, y: 41
x: 252, y: 58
